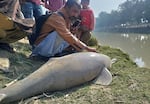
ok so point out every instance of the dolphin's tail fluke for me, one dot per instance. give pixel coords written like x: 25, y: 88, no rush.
x: 104, y: 78
x: 2, y: 97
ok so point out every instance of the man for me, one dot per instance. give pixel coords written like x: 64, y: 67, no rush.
x: 8, y: 8
x: 12, y: 25
x: 87, y: 21
x: 55, y: 35
x: 32, y: 8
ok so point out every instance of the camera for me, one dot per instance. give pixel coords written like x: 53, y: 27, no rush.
x: 76, y: 23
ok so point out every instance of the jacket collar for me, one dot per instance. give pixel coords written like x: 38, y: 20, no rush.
x: 63, y: 10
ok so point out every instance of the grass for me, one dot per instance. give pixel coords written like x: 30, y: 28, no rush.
x: 131, y: 84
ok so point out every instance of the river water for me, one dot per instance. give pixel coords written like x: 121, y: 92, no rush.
x: 136, y: 45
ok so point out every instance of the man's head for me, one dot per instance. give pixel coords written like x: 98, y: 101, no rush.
x: 73, y: 8
x: 85, y: 3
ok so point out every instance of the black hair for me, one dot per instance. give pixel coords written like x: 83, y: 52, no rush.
x: 71, y: 3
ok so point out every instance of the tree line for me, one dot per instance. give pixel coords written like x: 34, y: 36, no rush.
x: 131, y: 12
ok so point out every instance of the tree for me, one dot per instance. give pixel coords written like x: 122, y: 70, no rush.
x: 129, y: 12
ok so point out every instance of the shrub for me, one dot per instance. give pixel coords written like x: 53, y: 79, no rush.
x: 93, y: 41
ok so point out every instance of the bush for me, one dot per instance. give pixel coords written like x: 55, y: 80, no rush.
x: 93, y: 41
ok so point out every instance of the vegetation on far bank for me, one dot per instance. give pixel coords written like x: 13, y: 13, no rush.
x: 131, y: 85
x: 129, y: 13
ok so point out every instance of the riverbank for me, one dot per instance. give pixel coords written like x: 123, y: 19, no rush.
x: 130, y: 83
x: 141, y: 28
x: 136, y: 45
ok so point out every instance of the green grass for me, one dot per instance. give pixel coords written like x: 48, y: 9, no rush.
x: 131, y: 85
x: 93, y: 41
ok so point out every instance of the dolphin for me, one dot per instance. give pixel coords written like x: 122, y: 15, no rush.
x: 59, y: 74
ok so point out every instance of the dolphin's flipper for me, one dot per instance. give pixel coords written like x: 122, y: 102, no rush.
x: 104, y: 78
x: 2, y: 97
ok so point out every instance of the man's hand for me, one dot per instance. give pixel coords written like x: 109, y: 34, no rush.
x: 90, y: 49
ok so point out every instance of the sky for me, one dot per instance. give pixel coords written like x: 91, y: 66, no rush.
x: 104, y: 5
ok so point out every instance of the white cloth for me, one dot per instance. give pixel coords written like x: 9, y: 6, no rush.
x: 50, y: 46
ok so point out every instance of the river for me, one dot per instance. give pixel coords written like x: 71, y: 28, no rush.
x: 136, y: 45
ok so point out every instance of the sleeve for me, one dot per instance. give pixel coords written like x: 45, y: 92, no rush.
x: 59, y: 24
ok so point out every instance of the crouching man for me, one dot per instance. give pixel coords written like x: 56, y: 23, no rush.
x: 55, y: 35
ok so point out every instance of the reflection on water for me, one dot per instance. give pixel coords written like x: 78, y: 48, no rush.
x: 136, y: 45
x: 139, y: 62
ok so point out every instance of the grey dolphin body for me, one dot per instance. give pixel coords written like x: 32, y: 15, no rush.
x: 58, y: 74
